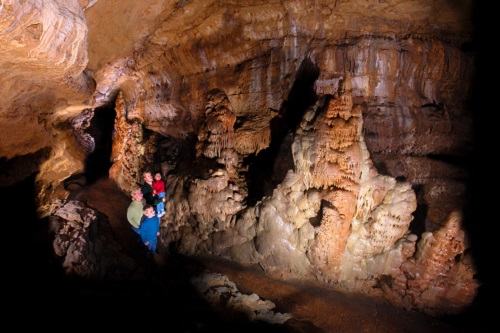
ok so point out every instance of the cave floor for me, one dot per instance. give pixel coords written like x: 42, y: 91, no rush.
x: 167, y: 300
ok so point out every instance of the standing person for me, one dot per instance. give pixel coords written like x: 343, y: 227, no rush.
x: 134, y: 210
x: 159, y: 192
x: 147, y: 189
x: 150, y: 228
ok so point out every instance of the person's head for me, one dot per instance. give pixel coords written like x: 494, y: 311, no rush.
x: 136, y: 193
x: 158, y: 176
x: 147, y: 176
x: 148, y: 210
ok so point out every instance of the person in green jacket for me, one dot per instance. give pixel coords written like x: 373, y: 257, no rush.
x: 134, y: 211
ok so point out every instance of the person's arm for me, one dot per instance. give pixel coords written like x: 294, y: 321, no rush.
x: 142, y: 232
x: 132, y: 218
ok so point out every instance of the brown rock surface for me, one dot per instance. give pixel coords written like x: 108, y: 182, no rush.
x: 333, y: 141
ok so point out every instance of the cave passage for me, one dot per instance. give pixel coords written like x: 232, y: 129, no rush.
x: 101, y: 128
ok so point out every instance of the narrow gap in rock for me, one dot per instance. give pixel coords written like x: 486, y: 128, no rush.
x: 269, y: 167
x: 417, y: 226
x: 101, y: 128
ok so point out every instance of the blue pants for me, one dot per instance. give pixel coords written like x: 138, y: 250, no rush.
x: 160, y: 207
x: 152, y: 245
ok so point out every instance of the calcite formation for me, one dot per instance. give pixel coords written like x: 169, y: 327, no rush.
x: 223, y: 294
x: 320, y: 139
x: 85, y: 244
x: 360, y: 239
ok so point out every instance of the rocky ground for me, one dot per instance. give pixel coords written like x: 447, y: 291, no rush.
x: 167, y: 300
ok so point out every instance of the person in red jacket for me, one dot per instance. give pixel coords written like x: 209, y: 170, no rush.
x: 159, y: 192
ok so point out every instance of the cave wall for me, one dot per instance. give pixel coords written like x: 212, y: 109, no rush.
x: 333, y: 217
x: 321, y: 139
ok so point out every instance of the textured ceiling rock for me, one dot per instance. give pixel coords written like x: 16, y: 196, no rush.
x: 43, y: 77
x: 268, y: 157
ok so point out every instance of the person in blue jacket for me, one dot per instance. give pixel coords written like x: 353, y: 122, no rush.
x: 150, y: 228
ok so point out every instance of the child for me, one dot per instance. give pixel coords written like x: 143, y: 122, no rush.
x: 159, y: 192
x: 150, y: 228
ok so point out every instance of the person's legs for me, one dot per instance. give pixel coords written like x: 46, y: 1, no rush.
x: 137, y: 235
x: 152, y: 245
x: 160, y: 208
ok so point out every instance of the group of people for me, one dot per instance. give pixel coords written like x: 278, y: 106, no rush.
x: 146, y: 208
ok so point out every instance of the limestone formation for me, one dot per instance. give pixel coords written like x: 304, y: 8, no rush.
x: 85, y: 245
x: 223, y: 294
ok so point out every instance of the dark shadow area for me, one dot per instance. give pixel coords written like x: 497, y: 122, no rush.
x: 165, y: 301
x: 481, y: 215
x: 417, y: 226
x: 316, y: 220
x: 101, y: 128
x: 261, y: 178
x: 379, y: 163
x: 177, y: 155
x: 31, y: 250
x: 458, y: 161
x: 19, y: 168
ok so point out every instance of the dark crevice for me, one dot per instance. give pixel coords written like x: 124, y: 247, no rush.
x: 449, y: 159
x: 101, y: 128
x: 261, y: 177
x: 316, y: 220
x: 417, y: 226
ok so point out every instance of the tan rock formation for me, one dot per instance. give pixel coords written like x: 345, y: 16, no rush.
x: 85, y: 243
x: 361, y: 239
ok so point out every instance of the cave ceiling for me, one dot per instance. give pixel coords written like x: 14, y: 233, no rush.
x: 59, y: 58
